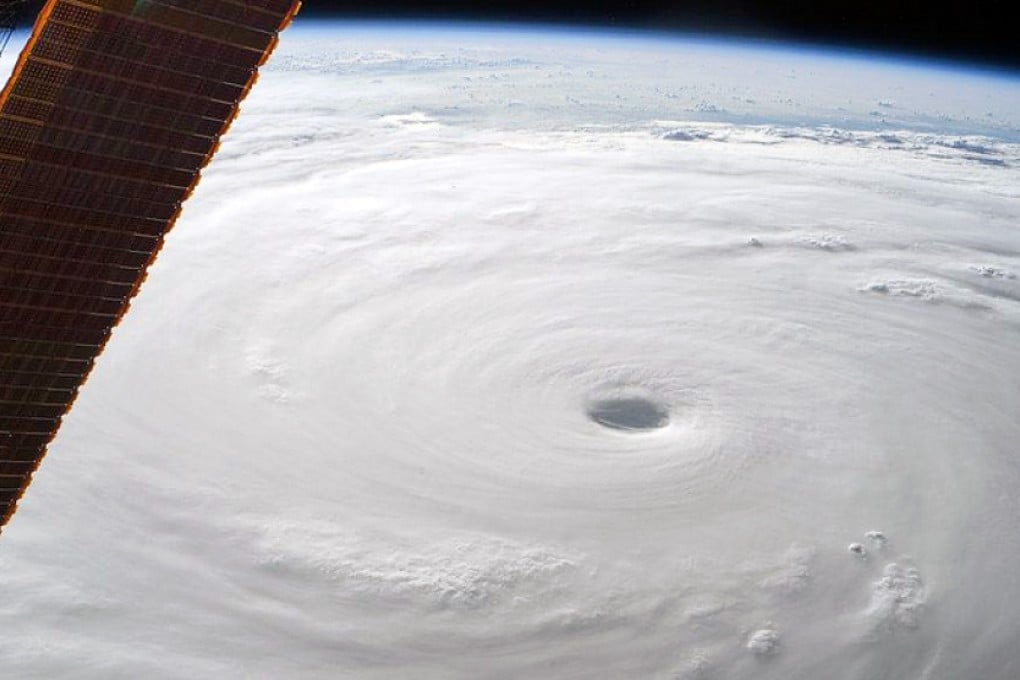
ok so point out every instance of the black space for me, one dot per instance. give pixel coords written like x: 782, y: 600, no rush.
x: 979, y: 31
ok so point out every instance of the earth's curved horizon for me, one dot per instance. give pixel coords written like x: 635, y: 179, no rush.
x: 516, y: 353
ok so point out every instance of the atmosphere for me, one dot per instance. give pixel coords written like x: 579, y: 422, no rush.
x: 981, y: 32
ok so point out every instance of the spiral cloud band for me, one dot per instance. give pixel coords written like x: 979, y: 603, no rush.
x: 480, y: 361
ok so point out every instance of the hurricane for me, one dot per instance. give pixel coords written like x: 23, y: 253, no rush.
x: 528, y: 355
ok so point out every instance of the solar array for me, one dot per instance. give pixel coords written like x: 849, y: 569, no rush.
x: 113, y: 109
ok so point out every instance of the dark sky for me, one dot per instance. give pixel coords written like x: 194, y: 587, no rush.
x: 980, y: 30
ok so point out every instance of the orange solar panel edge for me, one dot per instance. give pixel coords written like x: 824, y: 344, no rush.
x: 96, y: 156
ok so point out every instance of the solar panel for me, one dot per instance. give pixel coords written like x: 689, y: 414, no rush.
x: 113, y: 109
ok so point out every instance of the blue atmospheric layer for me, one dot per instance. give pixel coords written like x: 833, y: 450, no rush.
x: 666, y: 38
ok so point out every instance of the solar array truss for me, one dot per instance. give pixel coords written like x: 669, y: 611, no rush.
x: 113, y: 109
